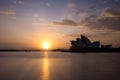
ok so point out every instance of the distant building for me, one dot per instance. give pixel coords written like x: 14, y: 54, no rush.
x: 106, y: 46
x: 84, y: 42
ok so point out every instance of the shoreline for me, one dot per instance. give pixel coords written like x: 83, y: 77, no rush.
x: 84, y: 50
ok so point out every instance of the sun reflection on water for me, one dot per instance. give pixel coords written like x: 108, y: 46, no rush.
x: 45, y: 68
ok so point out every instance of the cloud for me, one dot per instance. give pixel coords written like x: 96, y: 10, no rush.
x: 48, y: 4
x: 67, y: 22
x: 109, y: 12
x: 71, y: 5
x: 110, y: 19
x: 9, y: 11
x: 78, y: 13
x: 20, y: 2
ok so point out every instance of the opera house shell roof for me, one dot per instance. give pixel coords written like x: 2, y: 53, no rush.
x: 84, y: 42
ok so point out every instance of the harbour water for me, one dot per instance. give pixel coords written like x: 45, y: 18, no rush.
x: 59, y: 66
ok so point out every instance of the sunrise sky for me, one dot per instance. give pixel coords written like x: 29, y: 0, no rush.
x: 29, y: 23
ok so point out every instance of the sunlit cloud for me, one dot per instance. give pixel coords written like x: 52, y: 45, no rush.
x: 110, y: 19
x: 110, y: 12
x: 67, y: 23
x: 9, y: 11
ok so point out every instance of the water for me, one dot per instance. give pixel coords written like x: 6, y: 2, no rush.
x: 59, y: 66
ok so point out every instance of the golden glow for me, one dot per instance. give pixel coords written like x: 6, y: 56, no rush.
x: 46, y: 45
x: 45, y: 69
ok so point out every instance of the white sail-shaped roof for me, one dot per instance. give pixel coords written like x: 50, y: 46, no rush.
x: 95, y: 44
x: 86, y: 40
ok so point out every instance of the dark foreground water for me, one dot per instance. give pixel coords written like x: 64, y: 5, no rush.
x: 59, y: 66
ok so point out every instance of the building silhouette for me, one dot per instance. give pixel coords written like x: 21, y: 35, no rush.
x: 84, y: 42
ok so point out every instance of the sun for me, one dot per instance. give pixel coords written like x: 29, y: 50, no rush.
x: 46, y: 45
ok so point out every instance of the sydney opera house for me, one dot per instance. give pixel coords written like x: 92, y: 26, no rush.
x: 85, y: 43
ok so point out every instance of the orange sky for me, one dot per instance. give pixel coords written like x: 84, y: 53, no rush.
x: 28, y: 23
